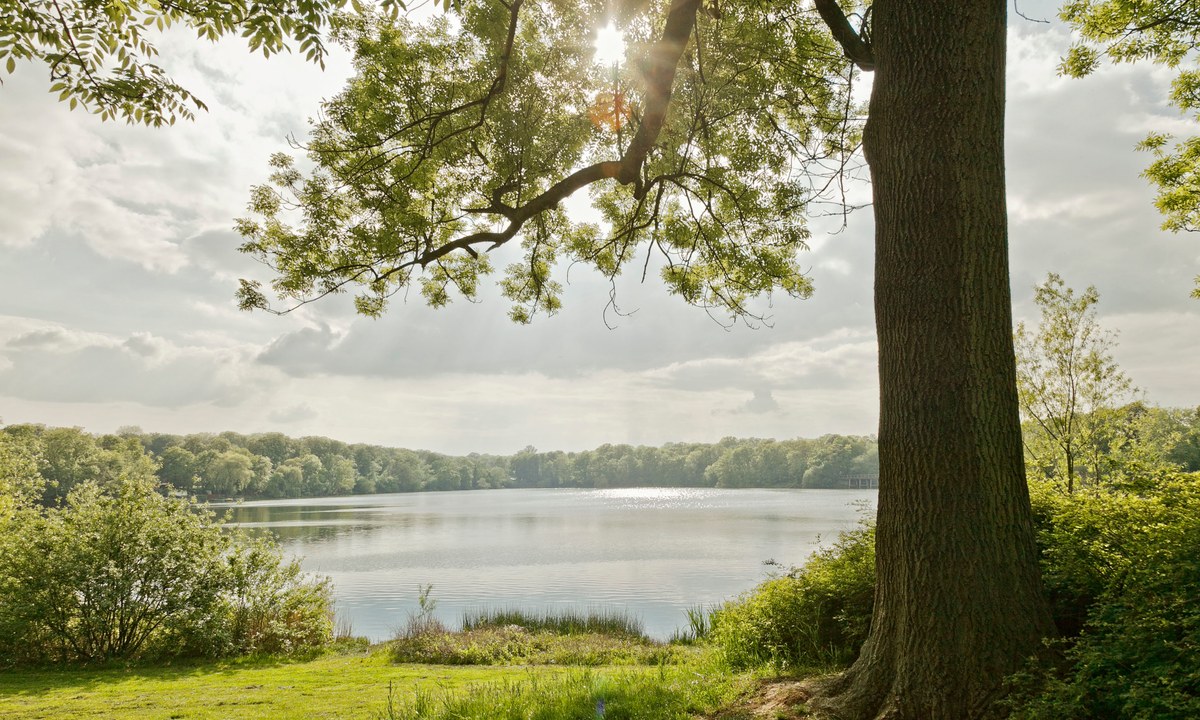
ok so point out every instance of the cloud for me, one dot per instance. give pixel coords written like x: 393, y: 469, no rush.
x: 59, y: 365
x: 139, y: 193
x: 146, y: 346
x: 93, y: 181
x: 298, y: 413
x: 836, y: 360
x: 761, y: 403
x: 301, y: 353
x: 1069, y: 210
x: 38, y: 339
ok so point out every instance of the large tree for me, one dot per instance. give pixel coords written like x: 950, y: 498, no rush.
x: 708, y: 143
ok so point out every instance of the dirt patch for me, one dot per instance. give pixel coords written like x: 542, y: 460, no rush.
x: 779, y: 699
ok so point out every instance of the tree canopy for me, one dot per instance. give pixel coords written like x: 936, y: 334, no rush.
x: 461, y: 133
x: 1165, y: 32
x: 100, y: 54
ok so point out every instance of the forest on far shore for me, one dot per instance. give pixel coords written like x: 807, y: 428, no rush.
x: 274, y: 465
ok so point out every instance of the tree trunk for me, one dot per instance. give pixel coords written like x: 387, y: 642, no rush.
x: 958, y: 603
x: 1070, y: 470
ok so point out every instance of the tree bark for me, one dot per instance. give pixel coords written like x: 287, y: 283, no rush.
x: 958, y: 603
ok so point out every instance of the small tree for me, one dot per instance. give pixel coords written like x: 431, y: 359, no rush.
x: 1068, y: 383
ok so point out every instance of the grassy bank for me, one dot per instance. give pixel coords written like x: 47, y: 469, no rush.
x: 353, y: 685
x: 495, y: 669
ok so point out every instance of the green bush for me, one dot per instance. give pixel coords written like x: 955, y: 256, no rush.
x: 1123, y: 572
x: 816, y: 616
x: 266, y: 605
x: 121, y: 572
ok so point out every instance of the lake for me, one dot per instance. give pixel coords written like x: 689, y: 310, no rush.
x: 652, y: 552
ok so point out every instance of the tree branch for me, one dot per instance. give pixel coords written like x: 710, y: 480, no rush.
x: 557, y: 192
x: 853, y: 44
x: 660, y: 80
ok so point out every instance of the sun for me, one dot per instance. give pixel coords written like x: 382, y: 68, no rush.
x: 610, y: 45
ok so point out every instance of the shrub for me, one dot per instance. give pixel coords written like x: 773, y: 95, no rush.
x: 1123, y: 570
x: 266, y: 605
x: 122, y: 572
x: 102, y: 576
x: 816, y: 616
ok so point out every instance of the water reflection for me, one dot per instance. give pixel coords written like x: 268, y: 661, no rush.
x: 652, y: 551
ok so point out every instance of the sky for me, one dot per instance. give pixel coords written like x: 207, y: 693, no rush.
x: 118, y: 266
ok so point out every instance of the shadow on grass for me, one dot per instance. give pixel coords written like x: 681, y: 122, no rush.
x: 46, y: 679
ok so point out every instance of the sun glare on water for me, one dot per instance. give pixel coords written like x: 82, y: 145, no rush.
x: 610, y: 45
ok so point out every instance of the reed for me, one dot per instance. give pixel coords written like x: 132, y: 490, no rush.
x: 571, y: 621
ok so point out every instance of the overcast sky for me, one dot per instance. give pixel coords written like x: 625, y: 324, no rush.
x: 118, y: 266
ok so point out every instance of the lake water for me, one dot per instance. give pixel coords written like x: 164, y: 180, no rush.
x: 652, y: 552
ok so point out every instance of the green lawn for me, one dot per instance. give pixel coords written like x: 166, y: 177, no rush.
x: 351, y: 685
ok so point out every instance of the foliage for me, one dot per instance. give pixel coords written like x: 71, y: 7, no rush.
x: 1163, y: 32
x: 122, y: 572
x: 20, y: 482
x: 815, y: 617
x: 268, y: 605
x: 1067, y: 384
x: 465, y: 132
x: 1185, y: 451
x: 68, y: 457
x: 110, y: 572
x: 273, y: 465
x: 100, y: 54
x: 1123, y: 571
x: 665, y: 694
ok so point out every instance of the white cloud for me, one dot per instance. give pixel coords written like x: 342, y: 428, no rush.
x: 137, y: 193
x: 1071, y: 209
x: 761, y: 402
x: 298, y: 413
x: 61, y: 365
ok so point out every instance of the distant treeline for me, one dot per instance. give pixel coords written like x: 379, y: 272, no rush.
x: 273, y: 465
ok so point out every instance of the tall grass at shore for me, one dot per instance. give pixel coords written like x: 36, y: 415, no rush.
x: 617, y: 623
x: 509, y: 636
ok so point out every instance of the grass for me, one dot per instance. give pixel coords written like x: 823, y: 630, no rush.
x: 505, y: 637
x: 614, y: 623
x: 663, y: 693
x: 352, y: 685
x: 511, y: 644
x: 505, y: 665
